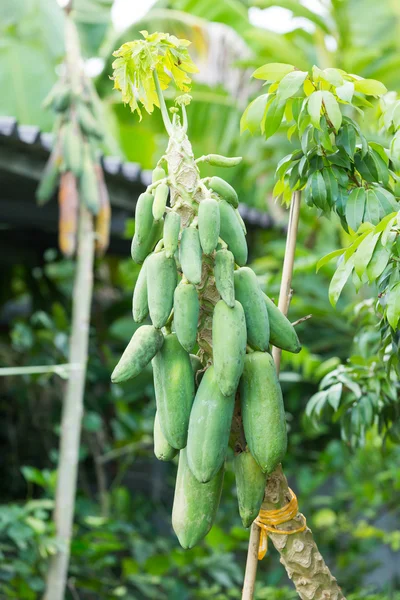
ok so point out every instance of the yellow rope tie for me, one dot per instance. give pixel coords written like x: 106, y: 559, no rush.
x: 267, y: 521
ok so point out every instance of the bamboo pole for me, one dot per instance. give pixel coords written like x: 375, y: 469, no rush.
x: 72, y: 409
x: 305, y: 565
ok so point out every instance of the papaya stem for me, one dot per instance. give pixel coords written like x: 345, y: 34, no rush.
x: 163, y: 106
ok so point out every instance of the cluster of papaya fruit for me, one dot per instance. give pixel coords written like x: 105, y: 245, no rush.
x: 201, y: 298
x: 74, y: 165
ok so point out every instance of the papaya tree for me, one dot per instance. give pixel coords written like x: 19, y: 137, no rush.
x: 84, y: 220
x: 210, y: 330
x: 335, y: 169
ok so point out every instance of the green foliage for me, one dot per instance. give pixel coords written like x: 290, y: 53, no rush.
x: 137, y: 61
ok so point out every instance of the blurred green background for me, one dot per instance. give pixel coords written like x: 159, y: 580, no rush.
x: 123, y: 543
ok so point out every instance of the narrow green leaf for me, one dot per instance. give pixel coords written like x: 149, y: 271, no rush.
x: 314, y: 108
x: 387, y: 202
x: 387, y: 231
x: 347, y: 139
x: 364, y: 253
x: 339, y: 279
x: 328, y: 257
x: 370, y: 87
x: 252, y: 116
x: 332, y: 109
x: 334, y: 395
x: 273, y: 71
x: 273, y: 117
x: 381, y: 167
x: 393, y: 306
x: 345, y: 92
x: 332, y: 76
x: 290, y: 84
x: 355, y: 208
x: 353, y: 247
x: 366, y: 167
x: 381, y: 151
x: 372, y: 206
x: 283, y: 165
x: 331, y: 186
x: 318, y: 190
x: 378, y: 262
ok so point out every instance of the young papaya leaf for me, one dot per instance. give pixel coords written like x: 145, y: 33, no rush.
x: 318, y: 190
x: 252, y: 116
x: 339, y: 279
x: 273, y: 116
x: 364, y: 253
x: 273, y: 71
x: 345, y: 92
x: 378, y: 262
x: 346, y: 139
x: 290, y: 84
x: 332, y: 109
x: 393, y: 306
x: 372, y: 207
x: 355, y: 208
x: 331, y: 186
x: 328, y: 257
x: 314, y: 105
x: 370, y: 87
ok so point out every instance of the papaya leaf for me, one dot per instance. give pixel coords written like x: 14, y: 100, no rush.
x: 355, y: 208
x: 136, y: 61
x: 339, y: 279
x: 273, y: 71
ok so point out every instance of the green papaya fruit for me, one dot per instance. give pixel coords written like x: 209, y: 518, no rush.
x: 209, y: 428
x: 147, y: 231
x: 242, y: 223
x: 223, y: 271
x: 174, y: 388
x: 157, y: 174
x: 232, y: 233
x: 160, y: 201
x: 72, y: 148
x: 140, y: 306
x: 186, y: 314
x: 282, y: 332
x: 49, y: 181
x: 195, y: 504
x: 262, y: 411
x: 162, y: 449
x: 190, y: 255
x: 172, y: 226
x: 209, y: 224
x: 217, y: 160
x: 229, y: 345
x: 249, y: 294
x: 87, y: 121
x: 196, y: 364
x: 225, y: 190
x: 161, y: 283
x: 89, y: 188
x: 144, y: 345
x: 250, y: 486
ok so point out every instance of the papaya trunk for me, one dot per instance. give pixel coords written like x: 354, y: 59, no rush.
x: 299, y: 552
x: 72, y: 409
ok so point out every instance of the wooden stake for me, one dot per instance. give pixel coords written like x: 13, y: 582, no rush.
x: 72, y: 409
x: 283, y: 305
